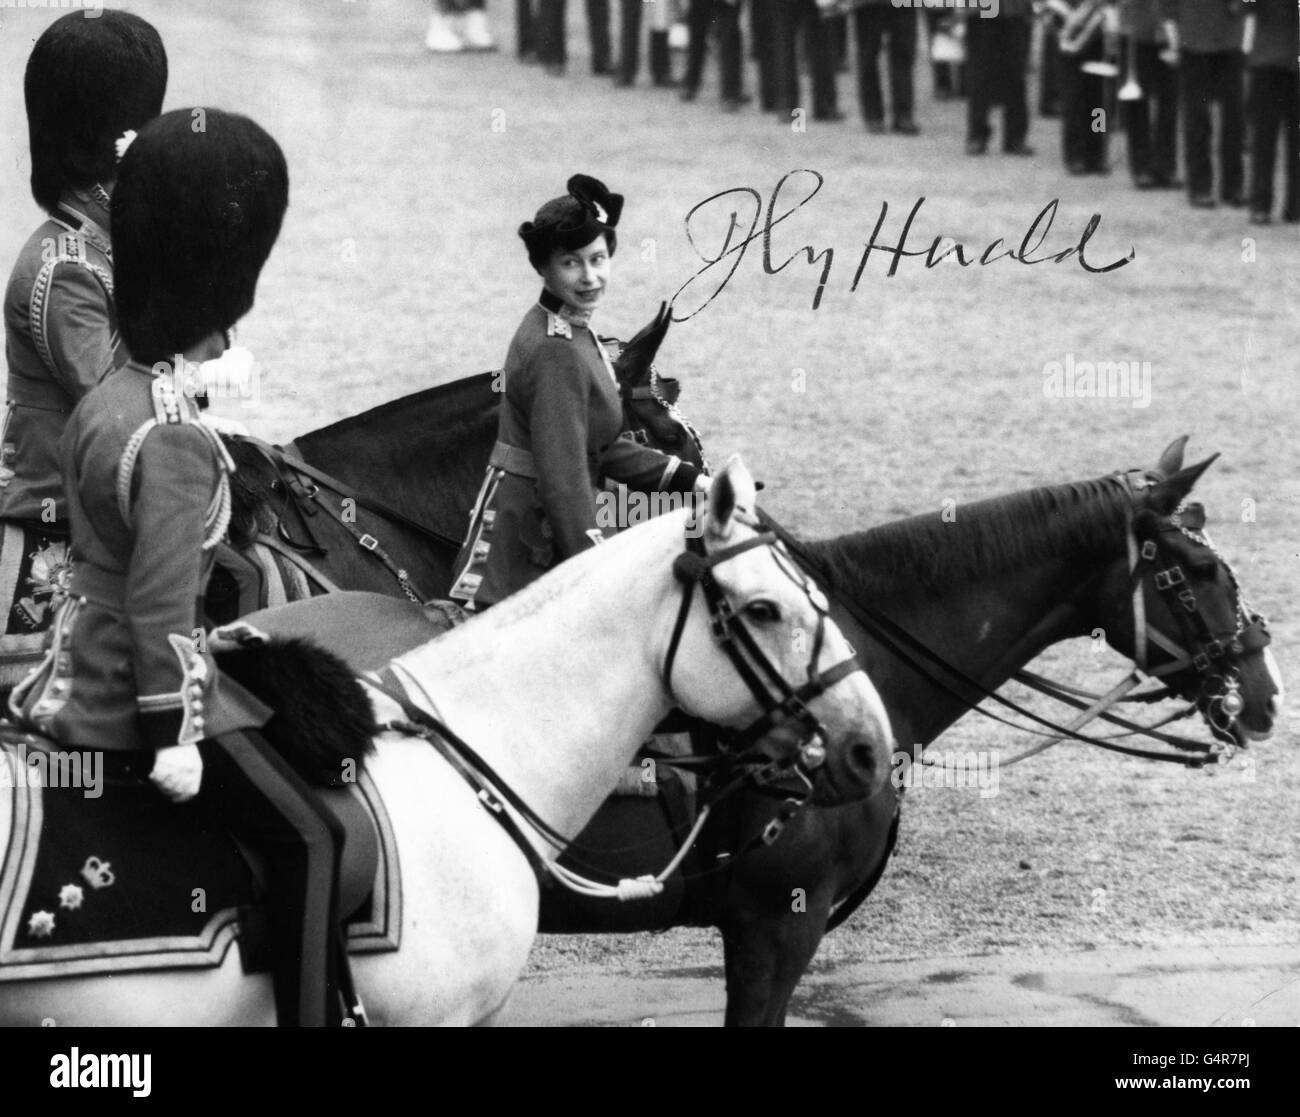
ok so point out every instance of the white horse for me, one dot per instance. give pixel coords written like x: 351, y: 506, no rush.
x: 556, y: 688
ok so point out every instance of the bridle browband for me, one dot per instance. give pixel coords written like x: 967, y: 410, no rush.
x: 780, y: 701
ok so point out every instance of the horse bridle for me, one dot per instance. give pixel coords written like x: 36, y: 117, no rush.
x: 1200, y: 649
x: 751, y: 748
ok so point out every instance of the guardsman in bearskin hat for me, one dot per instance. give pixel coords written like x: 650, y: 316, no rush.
x: 558, y: 432
x: 200, y: 197
x: 90, y: 84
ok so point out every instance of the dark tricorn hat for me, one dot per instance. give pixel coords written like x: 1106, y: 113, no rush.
x: 199, y: 200
x: 563, y: 224
x: 88, y: 81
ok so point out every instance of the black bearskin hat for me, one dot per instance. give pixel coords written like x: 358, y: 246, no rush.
x: 88, y: 81
x: 199, y: 200
x: 577, y: 219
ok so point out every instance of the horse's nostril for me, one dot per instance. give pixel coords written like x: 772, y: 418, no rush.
x: 862, y: 760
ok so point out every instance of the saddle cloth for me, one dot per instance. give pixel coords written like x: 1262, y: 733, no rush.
x: 104, y: 876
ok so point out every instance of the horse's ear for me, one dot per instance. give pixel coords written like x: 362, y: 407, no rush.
x: 1171, y: 461
x: 633, y: 364
x: 731, y: 491
x: 1167, y: 495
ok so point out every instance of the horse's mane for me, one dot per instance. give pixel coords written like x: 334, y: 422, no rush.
x: 982, y: 539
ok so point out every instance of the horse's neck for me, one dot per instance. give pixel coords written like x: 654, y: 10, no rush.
x: 558, y: 686
x: 987, y: 630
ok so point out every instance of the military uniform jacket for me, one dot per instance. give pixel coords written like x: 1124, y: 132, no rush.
x: 558, y: 436
x: 1277, y: 35
x: 1207, y: 26
x: 148, y: 498
x: 60, y: 341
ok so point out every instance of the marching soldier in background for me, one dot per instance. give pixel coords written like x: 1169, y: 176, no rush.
x: 997, y: 56
x: 199, y: 202
x: 548, y: 26
x: 1151, y: 121
x: 788, y: 21
x: 629, y: 62
x: 1207, y: 38
x: 90, y: 84
x: 456, y: 25
x: 1274, y: 106
x: 875, y: 21
x: 1085, y: 122
x: 724, y: 17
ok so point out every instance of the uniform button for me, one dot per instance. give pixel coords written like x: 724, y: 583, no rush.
x: 198, y: 724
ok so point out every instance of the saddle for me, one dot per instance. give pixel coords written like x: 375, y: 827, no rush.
x: 101, y: 874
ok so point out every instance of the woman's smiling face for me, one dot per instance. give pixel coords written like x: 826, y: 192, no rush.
x: 579, y: 276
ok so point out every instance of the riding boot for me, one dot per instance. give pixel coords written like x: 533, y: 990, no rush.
x: 661, y: 60
x: 250, y: 789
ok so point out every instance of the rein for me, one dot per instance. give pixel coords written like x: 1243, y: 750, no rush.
x: 757, y: 759
x: 1249, y: 635
x: 306, y: 496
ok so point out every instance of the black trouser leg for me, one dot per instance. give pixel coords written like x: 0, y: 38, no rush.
x: 525, y: 32
x: 1137, y: 120
x: 1195, y: 70
x: 730, y: 52
x: 761, y: 46
x: 821, y: 59
x: 1163, y: 80
x: 1081, y: 95
x: 699, y: 18
x: 1265, y: 118
x: 1233, y: 118
x: 1015, y: 58
x: 598, y: 33
x: 902, y: 58
x: 870, y: 25
x: 252, y: 791
x: 629, y: 38
x: 984, y: 46
x: 785, y: 64
x: 1049, y: 78
x: 551, y: 47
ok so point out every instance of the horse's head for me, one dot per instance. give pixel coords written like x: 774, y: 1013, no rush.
x: 1179, y: 612
x: 649, y: 400
x: 763, y: 655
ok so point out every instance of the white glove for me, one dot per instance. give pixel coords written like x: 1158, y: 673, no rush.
x: 703, y: 482
x: 177, y: 772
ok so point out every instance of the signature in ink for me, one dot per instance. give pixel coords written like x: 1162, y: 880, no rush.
x: 709, y: 281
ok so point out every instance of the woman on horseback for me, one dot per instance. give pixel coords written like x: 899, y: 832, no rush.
x: 89, y: 85
x: 200, y: 198
x: 558, y: 434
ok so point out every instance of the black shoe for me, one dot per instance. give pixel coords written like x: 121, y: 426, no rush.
x: 1201, y: 201
x: 602, y: 69
x: 1169, y: 183
x: 1099, y: 168
x: 1019, y: 149
x: 977, y: 147
x: 1234, y: 200
x: 832, y: 117
x: 688, y: 93
x: 906, y: 127
x: 1290, y: 216
x: 1260, y: 217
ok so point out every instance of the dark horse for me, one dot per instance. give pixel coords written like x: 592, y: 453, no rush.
x: 986, y: 593
x: 396, y: 484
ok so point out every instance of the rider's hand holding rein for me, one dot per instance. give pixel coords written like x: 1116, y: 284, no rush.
x: 178, y: 772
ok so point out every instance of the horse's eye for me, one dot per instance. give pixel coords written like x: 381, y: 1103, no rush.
x: 762, y: 612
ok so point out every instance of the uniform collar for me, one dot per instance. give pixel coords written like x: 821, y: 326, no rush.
x: 556, y: 305
x: 86, y: 217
